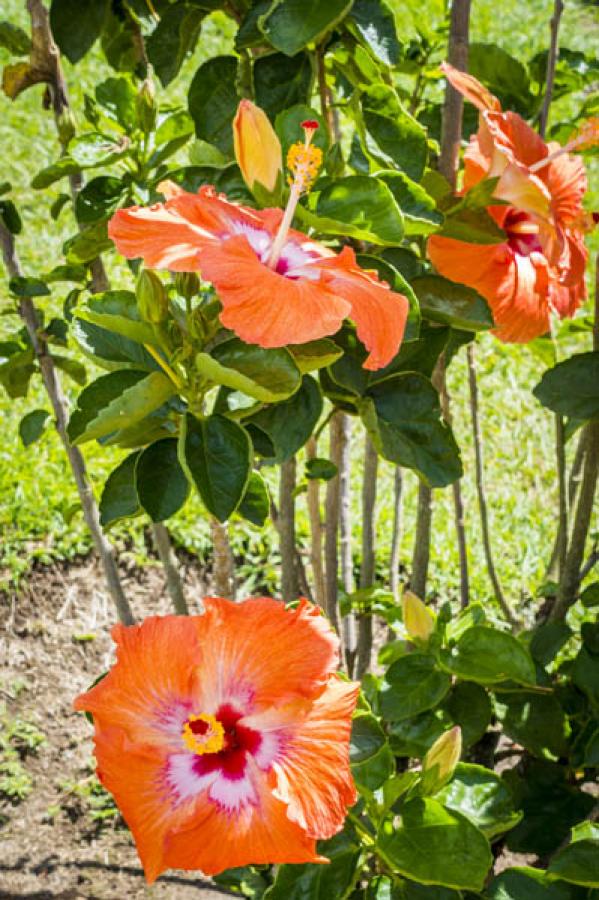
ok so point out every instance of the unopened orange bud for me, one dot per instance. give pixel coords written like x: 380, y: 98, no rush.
x: 257, y: 148
x: 439, y: 763
x: 418, y: 619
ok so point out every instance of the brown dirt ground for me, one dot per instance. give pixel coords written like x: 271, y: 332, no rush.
x: 44, y: 663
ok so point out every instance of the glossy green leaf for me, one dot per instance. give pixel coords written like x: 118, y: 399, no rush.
x: 319, y: 882
x: 173, y: 38
x: 414, y: 736
x: 488, y: 656
x: 76, y: 24
x: 16, y: 371
x: 109, y: 349
x: 14, y: 39
x: 469, y: 706
x: 266, y: 374
x: 315, y: 354
x: 452, y: 304
x: 9, y: 214
x: 213, y: 101
x: 119, y: 498
x: 572, y: 387
x: 117, y: 96
x: 434, y: 845
x: 32, y: 425
x: 370, y: 756
x: 71, y: 367
x: 537, y: 721
x: 481, y: 796
x: 398, y: 135
x: 160, y: 482
x: 255, y: 503
x: 412, y: 685
x: 585, y: 674
x: 94, y: 149
x: 289, y: 424
x: 290, y: 25
x: 364, y: 203
x: 216, y: 454
x: 474, y: 226
x: 117, y: 312
x: 88, y: 244
x: 116, y: 400
x: 403, y: 418
x: 320, y: 469
x: 22, y: 286
x: 578, y: 863
x: 373, y: 23
x: 54, y: 172
x: 99, y: 198
x: 524, y: 883
x: 504, y: 75
x: 418, y: 208
x: 280, y: 82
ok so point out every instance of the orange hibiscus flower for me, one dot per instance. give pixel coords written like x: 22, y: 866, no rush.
x: 224, y: 737
x: 276, y: 286
x: 540, y: 266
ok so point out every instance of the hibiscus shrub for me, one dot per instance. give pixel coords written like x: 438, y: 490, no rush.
x: 227, y: 344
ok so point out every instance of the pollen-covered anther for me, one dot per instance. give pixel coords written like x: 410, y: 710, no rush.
x: 203, y: 733
x: 304, y: 162
x: 588, y: 135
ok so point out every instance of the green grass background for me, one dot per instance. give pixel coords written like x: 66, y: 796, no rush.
x: 38, y: 501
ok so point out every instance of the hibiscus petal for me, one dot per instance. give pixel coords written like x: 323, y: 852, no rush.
x: 149, y: 692
x: 160, y: 236
x: 313, y: 774
x: 470, y: 88
x: 265, y: 308
x: 525, y: 315
x: 257, y: 652
x: 379, y: 313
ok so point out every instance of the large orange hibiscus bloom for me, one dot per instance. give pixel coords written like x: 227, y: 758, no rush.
x: 276, y: 286
x: 539, y: 268
x: 224, y: 737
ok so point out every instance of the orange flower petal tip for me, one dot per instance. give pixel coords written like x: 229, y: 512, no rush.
x: 224, y: 738
x: 471, y: 88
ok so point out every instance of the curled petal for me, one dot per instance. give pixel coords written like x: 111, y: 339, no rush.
x: 264, y: 307
x: 380, y: 314
x: 471, y: 88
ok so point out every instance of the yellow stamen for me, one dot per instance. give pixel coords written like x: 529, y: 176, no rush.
x: 524, y: 228
x: 304, y: 161
x: 210, y: 739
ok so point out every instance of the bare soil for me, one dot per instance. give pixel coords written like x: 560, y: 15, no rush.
x: 54, y: 642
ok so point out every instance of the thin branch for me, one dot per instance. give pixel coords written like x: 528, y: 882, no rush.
x: 558, y: 9
x: 168, y: 559
x: 316, y: 530
x: 480, y: 488
x: 286, y: 528
x: 331, y: 554
x: 367, y: 570
x: 458, y: 507
x: 56, y: 396
x: 422, y: 540
x: 453, y: 106
x: 222, y: 561
x: 396, y: 532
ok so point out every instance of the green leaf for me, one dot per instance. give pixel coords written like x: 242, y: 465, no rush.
x: 366, y: 204
x: 537, y: 721
x: 94, y: 149
x: 524, y: 883
x: 319, y: 882
x: 418, y: 208
x: 66, y: 273
x: 280, y: 82
x: 547, y: 640
x: 216, y: 453
x: 173, y: 38
x: 289, y: 130
x: 402, y: 416
x: 585, y: 674
x: 475, y: 226
x: 115, y: 401
x: 76, y: 24
x: 266, y: 374
x: 118, y: 98
x: 578, y: 863
x: 109, y: 349
x: 72, y: 367
x: 98, y: 198
x: 119, y: 498
x: 413, y: 684
x: 387, y: 272
x: 21, y: 286
x: 481, y: 796
x: 405, y: 261
x: 290, y: 25
x: 590, y: 596
x: 320, y: 469
x: 160, y: 482
x: 413, y: 737
x: 400, y: 137
x: 45, y: 177
x: 434, y: 845
x: 255, y: 504
x: 213, y: 101
x: 469, y: 706
x: 31, y: 426
x: 9, y: 214
x: 452, y: 304
x: 488, y: 656
x: 373, y: 23
x: 315, y: 354
x: 289, y: 424
x: 370, y: 756
x: 117, y: 311
x: 572, y: 387
x: 89, y: 243
x: 16, y: 371
x: 503, y: 75
x: 14, y: 39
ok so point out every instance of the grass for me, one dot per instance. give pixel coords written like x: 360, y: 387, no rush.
x: 38, y: 502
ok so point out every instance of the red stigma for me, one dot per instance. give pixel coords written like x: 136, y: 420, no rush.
x: 198, y: 726
x: 310, y: 125
x: 595, y: 217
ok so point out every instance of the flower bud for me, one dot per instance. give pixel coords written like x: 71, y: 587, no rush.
x: 187, y: 284
x: 152, y: 301
x: 65, y: 124
x: 257, y: 149
x: 439, y: 763
x: 418, y: 619
x: 146, y: 106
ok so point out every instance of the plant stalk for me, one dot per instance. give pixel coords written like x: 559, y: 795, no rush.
x: 168, y: 559
x: 316, y: 530
x: 367, y: 570
x: 332, y: 506
x: 222, y: 561
x: 286, y: 528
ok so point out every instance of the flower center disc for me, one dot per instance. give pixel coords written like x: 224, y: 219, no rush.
x: 203, y: 733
